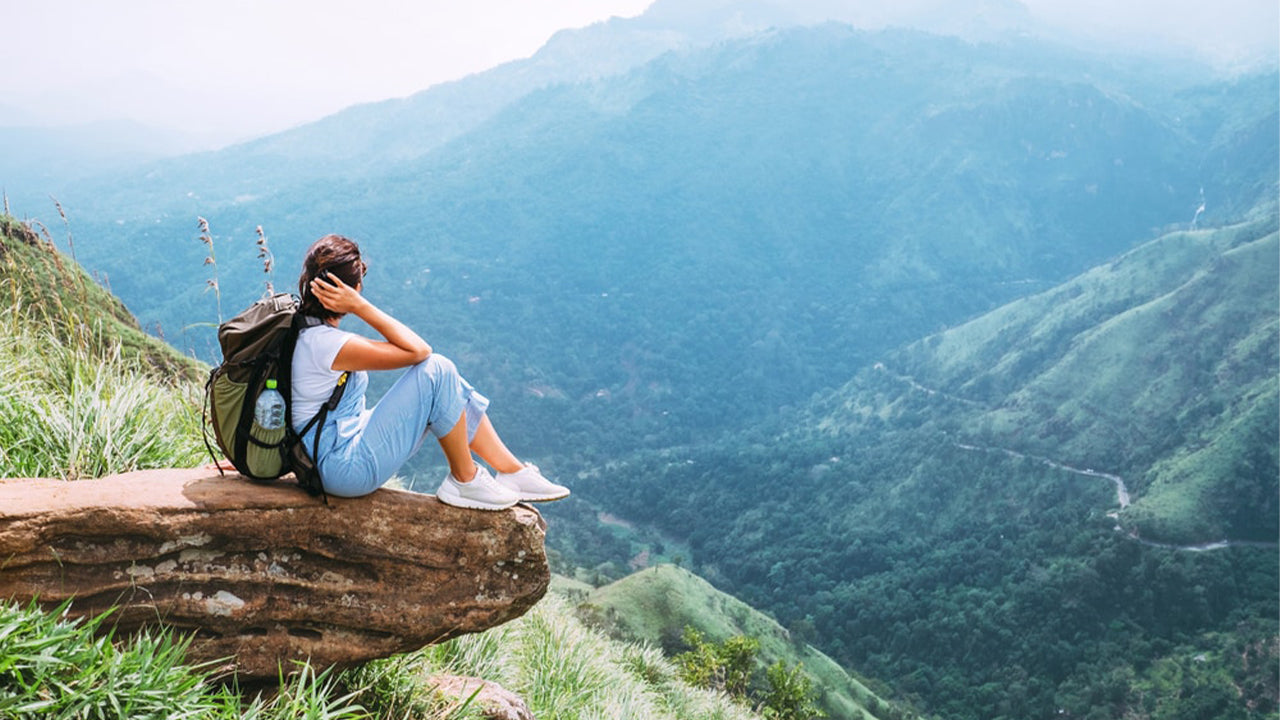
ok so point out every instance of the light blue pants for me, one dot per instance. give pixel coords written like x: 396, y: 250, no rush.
x: 430, y: 397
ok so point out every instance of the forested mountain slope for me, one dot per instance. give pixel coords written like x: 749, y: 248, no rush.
x: 1159, y: 367
x: 655, y: 605
x: 952, y: 519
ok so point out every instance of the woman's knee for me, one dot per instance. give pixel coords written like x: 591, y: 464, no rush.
x: 438, y: 376
x: 437, y: 367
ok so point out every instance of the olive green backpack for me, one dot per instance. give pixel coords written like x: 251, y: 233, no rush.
x: 257, y: 346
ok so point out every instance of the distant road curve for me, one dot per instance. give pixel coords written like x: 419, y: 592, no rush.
x: 1122, y: 497
x: 928, y: 390
x: 1122, y: 491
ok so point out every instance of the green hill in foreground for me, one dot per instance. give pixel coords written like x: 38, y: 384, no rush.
x: 84, y: 391
x: 49, y: 290
x: 655, y: 604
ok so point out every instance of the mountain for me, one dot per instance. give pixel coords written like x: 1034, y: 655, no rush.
x: 615, y: 258
x: 1045, y: 507
x: 1159, y: 366
x: 377, y: 133
x: 676, y: 279
x: 37, y: 161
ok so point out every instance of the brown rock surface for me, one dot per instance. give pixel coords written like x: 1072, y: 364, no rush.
x: 265, y: 574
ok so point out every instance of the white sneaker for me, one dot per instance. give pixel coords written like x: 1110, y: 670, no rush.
x: 482, y: 493
x: 529, y: 484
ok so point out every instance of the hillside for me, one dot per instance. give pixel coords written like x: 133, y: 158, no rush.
x: 1159, y: 367
x: 86, y: 393
x: 654, y: 606
x: 950, y: 519
x: 45, y: 288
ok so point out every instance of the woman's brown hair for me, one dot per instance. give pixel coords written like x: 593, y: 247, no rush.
x: 337, y: 255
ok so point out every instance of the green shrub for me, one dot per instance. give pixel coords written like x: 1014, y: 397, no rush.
x: 726, y: 666
x: 790, y: 695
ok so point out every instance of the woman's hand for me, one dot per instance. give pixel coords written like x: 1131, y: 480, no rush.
x: 335, y: 295
x: 402, y: 347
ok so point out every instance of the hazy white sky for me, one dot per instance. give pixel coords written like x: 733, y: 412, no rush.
x: 282, y: 61
x: 263, y: 65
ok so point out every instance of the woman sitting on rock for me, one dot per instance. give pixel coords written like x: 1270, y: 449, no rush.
x: 360, y: 447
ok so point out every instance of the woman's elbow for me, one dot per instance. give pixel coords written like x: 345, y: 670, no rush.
x: 422, y: 354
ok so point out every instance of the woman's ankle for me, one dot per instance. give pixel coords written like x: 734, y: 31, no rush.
x: 475, y: 470
x: 507, y: 468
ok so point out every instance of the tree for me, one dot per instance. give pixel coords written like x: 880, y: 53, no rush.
x: 723, y: 666
x: 790, y: 695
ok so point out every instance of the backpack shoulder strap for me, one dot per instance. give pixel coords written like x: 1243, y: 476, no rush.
x: 317, y: 421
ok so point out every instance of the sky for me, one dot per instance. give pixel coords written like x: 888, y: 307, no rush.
x: 232, y: 69
x: 259, y: 64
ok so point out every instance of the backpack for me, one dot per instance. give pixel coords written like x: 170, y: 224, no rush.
x: 257, y: 345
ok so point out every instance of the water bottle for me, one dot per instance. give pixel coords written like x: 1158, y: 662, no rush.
x: 268, y: 412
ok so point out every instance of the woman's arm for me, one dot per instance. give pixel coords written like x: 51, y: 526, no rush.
x: 402, y: 347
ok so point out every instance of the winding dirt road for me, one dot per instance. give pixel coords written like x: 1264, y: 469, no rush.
x: 1123, y: 499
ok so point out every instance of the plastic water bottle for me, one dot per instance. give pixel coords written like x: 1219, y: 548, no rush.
x: 268, y: 412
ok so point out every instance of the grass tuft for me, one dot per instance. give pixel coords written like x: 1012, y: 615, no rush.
x: 73, y: 411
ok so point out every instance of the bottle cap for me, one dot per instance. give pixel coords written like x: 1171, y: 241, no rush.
x: 271, y: 383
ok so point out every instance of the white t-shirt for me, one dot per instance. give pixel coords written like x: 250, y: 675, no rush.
x: 313, y: 376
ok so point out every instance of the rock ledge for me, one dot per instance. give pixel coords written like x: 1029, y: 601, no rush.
x: 266, y: 574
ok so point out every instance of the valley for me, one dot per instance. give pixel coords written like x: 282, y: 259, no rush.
x: 958, y: 357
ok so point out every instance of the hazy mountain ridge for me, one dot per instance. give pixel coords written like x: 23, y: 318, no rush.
x: 828, y: 192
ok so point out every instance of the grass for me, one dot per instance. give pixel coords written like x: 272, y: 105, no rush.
x: 84, y: 392
x: 54, y: 667
x: 566, y: 670
x: 74, y: 411
x: 51, y: 667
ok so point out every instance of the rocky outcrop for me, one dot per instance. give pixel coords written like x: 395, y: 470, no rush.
x: 491, y: 699
x: 265, y: 574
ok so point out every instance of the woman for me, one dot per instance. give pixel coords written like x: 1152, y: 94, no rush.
x: 360, y: 448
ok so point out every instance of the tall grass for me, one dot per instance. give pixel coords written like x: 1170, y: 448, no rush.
x: 72, y: 410
x: 53, y: 668
x: 60, y: 669
x: 565, y: 670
